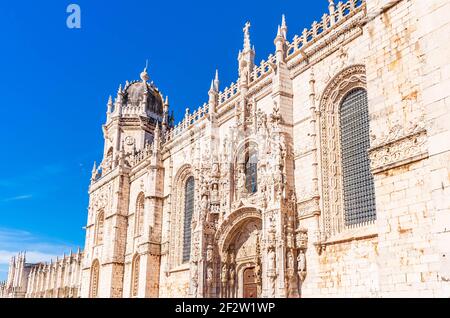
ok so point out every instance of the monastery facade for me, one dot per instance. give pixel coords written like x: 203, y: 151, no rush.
x: 324, y: 171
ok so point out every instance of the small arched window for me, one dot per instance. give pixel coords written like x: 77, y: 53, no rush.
x: 358, y: 183
x: 95, y: 276
x: 251, y: 172
x: 188, y: 211
x: 139, y: 215
x: 135, y: 276
x: 99, y: 228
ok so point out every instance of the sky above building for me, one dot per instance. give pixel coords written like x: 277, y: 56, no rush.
x: 55, y: 83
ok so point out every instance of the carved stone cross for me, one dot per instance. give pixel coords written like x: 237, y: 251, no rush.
x: 246, y: 27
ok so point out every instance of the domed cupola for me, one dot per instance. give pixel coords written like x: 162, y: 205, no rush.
x: 142, y: 98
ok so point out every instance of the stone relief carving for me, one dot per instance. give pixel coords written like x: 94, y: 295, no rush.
x: 399, y: 151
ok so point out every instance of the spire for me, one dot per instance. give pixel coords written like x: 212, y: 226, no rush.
x: 284, y: 27
x: 166, y: 102
x: 94, y: 169
x: 247, y: 44
x: 211, y: 88
x: 120, y: 89
x: 216, y: 81
x: 109, y: 105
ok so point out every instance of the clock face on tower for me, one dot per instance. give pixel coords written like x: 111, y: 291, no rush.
x: 129, y: 140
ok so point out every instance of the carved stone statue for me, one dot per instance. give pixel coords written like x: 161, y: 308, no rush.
x: 301, y: 265
x: 290, y: 260
x: 215, y: 193
x: 232, y: 281
x: 224, y: 280
x: 194, y: 278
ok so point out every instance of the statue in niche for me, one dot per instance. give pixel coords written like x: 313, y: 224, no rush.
x: 204, y: 204
x: 290, y: 260
x: 241, y: 183
x: 215, y: 169
x: 194, y: 279
x: 215, y: 193
x: 209, y: 277
x: 272, y: 259
x: 232, y: 280
x: 224, y: 280
x: 301, y: 265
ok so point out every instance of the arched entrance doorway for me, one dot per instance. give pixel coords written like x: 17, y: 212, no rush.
x: 240, y: 254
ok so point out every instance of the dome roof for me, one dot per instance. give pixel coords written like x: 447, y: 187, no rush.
x: 134, y: 92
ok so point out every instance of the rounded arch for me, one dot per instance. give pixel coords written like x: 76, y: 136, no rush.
x: 247, y: 143
x: 95, y: 279
x: 340, y: 85
x: 227, y: 230
x: 347, y: 80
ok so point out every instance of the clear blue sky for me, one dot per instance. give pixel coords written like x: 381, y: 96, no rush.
x: 55, y: 82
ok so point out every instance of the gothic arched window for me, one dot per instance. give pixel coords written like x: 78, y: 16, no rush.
x: 99, y: 227
x: 139, y: 215
x: 135, y: 276
x: 358, y: 183
x: 188, y: 211
x: 251, y: 172
x: 95, y: 275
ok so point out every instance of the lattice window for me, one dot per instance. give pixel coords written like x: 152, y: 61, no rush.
x: 188, y: 211
x: 358, y: 184
x: 99, y: 228
x: 135, y: 276
x: 95, y: 278
x: 139, y: 215
x: 251, y: 172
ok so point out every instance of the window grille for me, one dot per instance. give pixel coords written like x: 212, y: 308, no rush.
x: 188, y: 210
x: 358, y: 184
x: 251, y: 172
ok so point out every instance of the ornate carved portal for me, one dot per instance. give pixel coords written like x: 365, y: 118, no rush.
x: 240, y: 259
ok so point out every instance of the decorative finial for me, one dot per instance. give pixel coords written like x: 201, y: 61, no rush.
x: 216, y: 81
x: 120, y: 89
x: 246, y: 29
x: 144, y: 74
x: 167, y: 100
x: 284, y: 27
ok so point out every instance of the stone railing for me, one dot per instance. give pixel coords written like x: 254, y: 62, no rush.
x: 131, y: 110
x: 136, y: 158
x: 263, y: 69
x: 188, y: 120
x: 228, y: 93
x: 337, y: 15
